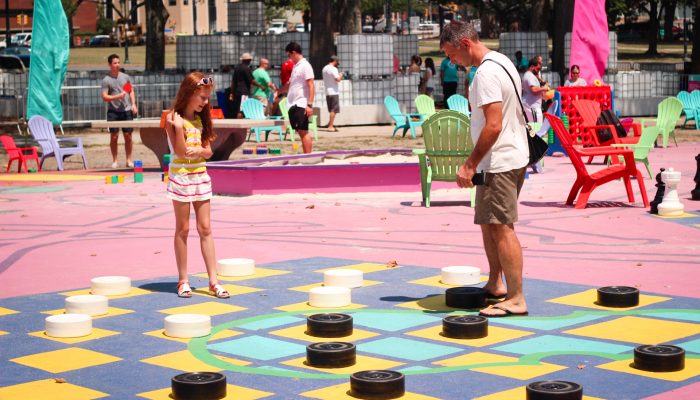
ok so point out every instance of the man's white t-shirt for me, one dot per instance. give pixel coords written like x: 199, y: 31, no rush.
x: 492, y: 85
x: 330, y: 74
x: 531, y: 99
x: 298, y: 93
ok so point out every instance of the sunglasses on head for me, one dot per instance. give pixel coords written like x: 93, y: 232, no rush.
x: 207, y: 80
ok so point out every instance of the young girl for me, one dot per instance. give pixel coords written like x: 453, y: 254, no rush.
x: 428, y: 77
x: 190, y: 134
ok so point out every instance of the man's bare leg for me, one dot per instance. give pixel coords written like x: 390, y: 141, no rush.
x: 128, y: 146
x: 306, y: 141
x: 331, y: 120
x: 113, y: 142
x: 494, y: 285
x: 510, y: 257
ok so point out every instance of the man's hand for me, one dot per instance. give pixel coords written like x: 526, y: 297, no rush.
x: 309, y: 111
x: 465, y: 174
x: 134, y: 109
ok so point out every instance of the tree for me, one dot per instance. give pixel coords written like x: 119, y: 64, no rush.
x: 71, y: 7
x: 669, y: 7
x: 156, y: 17
x: 564, y: 13
x: 321, y: 48
x: 350, y: 19
x: 695, y: 56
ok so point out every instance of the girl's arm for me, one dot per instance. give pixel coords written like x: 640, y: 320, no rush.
x: 176, y: 133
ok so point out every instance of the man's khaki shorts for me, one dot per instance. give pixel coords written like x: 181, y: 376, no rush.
x: 497, y: 199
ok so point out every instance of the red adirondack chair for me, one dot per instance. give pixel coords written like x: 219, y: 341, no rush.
x: 585, y: 182
x: 590, y: 111
x: 21, y: 154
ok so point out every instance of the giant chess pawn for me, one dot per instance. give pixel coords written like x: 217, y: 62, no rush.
x: 660, y: 189
x: 695, y: 193
x: 671, y: 204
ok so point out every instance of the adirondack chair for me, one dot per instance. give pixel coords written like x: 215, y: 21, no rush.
x: 284, y: 109
x: 21, y: 154
x: 459, y: 103
x: 253, y: 109
x: 642, y: 148
x: 667, y: 116
x: 425, y: 105
x: 42, y: 131
x: 689, y: 108
x: 401, y: 120
x: 448, y: 143
x: 590, y: 111
x: 586, y: 182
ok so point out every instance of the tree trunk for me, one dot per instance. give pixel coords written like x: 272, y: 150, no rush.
x: 538, y: 21
x: 564, y: 13
x: 156, y: 16
x: 695, y: 55
x: 653, y: 28
x: 669, y: 16
x: 350, y: 22
x: 321, y: 48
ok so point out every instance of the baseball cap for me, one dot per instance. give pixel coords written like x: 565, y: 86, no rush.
x: 246, y: 56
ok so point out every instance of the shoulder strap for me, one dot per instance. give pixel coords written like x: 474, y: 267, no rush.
x: 514, y: 87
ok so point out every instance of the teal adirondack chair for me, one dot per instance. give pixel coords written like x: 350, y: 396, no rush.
x: 253, y: 109
x: 284, y: 109
x: 643, y: 147
x: 667, y: 116
x: 448, y: 143
x: 425, y: 105
x: 401, y: 120
x: 457, y: 102
x: 690, y: 109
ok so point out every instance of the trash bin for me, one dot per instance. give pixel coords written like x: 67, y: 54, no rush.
x: 222, y: 100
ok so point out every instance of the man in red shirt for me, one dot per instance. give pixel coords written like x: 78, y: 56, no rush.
x: 285, y: 74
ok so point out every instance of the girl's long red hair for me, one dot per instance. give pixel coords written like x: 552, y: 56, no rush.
x: 188, y: 88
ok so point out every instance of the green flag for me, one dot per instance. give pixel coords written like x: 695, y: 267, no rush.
x: 49, y: 60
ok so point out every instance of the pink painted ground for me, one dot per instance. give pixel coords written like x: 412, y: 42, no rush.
x: 59, y: 240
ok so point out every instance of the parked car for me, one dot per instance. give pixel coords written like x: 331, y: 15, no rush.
x: 23, y: 53
x: 102, y: 41
x: 277, y: 27
x: 300, y: 27
x: 22, y: 39
x: 3, y: 44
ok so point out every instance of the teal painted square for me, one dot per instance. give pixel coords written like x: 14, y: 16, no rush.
x: 406, y: 349
x: 683, y: 316
x: 561, y: 344
x: 691, y: 347
x: 270, y: 323
x: 258, y: 347
x: 392, y: 322
x: 547, y: 324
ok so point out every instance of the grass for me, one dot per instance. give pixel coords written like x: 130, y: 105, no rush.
x: 96, y: 57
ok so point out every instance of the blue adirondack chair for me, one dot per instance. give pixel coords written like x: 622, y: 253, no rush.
x: 459, y: 103
x: 402, y: 121
x: 691, y: 106
x: 253, y: 109
x: 42, y: 131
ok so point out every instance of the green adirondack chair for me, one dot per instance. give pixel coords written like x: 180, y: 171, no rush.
x: 668, y: 114
x: 425, y: 105
x: 284, y: 109
x: 401, y: 120
x: 643, y: 147
x: 690, y: 108
x: 459, y: 103
x: 448, y: 143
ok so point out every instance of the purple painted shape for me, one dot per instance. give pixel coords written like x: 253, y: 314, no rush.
x: 246, y: 177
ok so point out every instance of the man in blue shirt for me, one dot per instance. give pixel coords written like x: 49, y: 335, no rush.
x: 448, y: 77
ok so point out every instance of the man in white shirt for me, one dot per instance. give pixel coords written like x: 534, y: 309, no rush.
x: 300, y: 94
x: 533, y: 92
x: 331, y: 77
x: 501, y: 152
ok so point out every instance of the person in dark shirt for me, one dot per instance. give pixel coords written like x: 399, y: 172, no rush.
x: 240, y: 83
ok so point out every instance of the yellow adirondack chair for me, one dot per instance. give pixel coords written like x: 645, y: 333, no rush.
x: 448, y: 143
x: 284, y: 109
x: 425, y: 105
x: 667, y: 116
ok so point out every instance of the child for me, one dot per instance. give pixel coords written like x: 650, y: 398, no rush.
x: 190, y: 134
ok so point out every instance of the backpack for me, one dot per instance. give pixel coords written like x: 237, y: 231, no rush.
x: 607, y: 117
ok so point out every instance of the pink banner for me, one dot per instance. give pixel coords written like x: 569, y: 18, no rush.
x: 589, y: 39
